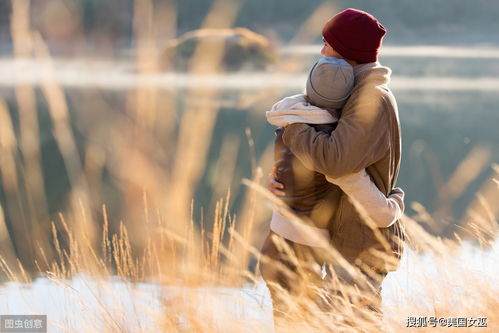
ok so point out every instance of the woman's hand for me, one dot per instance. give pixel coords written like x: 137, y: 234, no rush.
x: 274, y: 186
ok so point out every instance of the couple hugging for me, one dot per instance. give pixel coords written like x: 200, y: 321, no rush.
x: 337, y: 156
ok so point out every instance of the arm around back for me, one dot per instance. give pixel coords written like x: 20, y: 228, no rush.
x: 360, y: 139
x: 363, y: 192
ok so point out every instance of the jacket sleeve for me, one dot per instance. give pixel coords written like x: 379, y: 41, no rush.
x: 360, y: 139
x: 384, y: 211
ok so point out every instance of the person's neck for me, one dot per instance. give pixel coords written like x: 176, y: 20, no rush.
x: 352, y: 63
x: 357, y: 67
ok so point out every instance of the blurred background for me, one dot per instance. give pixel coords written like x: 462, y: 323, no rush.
x: 121, y: 112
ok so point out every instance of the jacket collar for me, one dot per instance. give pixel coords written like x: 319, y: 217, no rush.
x: 373, y: 70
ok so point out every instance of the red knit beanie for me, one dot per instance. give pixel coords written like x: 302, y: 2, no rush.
x: 354, y: 34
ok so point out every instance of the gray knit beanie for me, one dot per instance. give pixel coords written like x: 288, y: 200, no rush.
x: 329, y: 83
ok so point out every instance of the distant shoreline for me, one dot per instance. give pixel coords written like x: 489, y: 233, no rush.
x: 116, y: 73
x: 478, y: 51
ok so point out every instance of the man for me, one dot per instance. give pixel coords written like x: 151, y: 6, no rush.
x: 367, y: 136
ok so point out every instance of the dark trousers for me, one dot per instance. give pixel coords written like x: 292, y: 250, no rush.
x: 291, y: 269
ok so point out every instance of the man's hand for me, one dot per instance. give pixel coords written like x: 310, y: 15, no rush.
x: 274, y: 186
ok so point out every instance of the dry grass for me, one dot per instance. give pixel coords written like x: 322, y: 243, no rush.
x: 158, y: 167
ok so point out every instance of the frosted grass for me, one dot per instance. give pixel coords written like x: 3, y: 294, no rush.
x: 83, y: 302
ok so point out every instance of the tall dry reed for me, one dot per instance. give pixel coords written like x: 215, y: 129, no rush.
x: 157, y: 153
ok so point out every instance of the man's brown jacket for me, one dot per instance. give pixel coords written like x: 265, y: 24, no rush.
x: 367, y: 136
